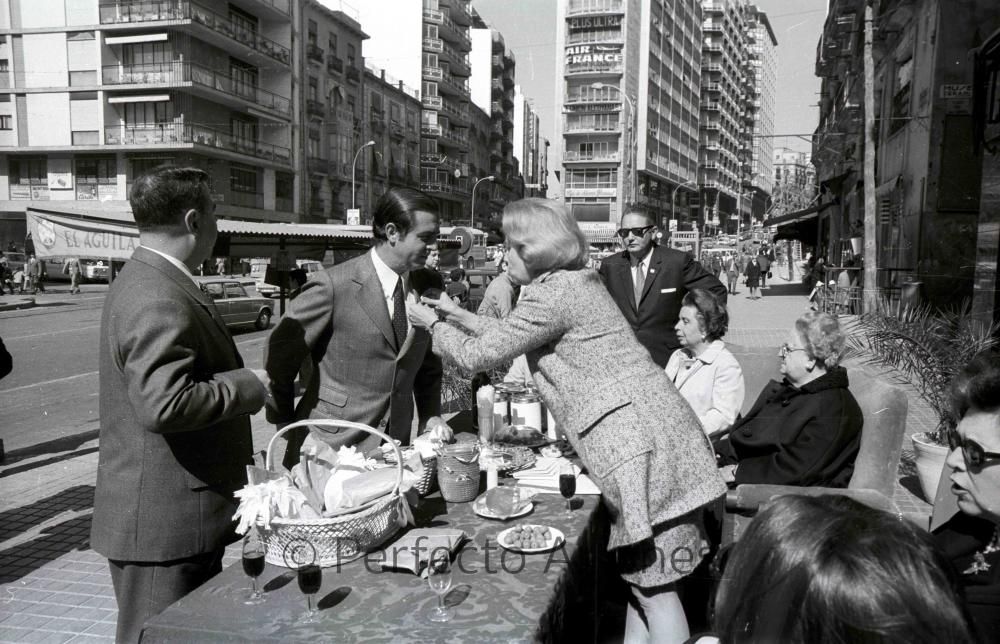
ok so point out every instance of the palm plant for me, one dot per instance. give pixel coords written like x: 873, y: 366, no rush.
x: 923, y: 347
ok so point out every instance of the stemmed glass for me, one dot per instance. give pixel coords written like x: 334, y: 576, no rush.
x: 439, y: 579
x: 253, y: 564
x: 310, y: 578
x: 567, y: 485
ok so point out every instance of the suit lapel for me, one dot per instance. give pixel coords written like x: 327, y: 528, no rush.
x: 651, y: 272
x: 371, y: 299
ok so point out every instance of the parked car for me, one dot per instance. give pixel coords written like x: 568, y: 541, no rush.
x: 95, y: 270
x: 235, y: 305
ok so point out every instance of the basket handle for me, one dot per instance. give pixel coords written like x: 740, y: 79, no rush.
x: 322, y: 422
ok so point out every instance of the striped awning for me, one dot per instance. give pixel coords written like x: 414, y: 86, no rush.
x: 599, y: 232
x: 267, y: 229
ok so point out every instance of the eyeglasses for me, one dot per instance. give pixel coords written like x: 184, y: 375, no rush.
x: 638, y: 232
x: 784, y: 350
x: 975, y: 456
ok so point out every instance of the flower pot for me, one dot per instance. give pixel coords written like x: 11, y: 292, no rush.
x: 930, y: 457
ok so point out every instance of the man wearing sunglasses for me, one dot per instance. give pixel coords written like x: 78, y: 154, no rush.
x: 648, y: 283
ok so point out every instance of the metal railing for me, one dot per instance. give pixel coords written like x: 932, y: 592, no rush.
x: 178, y: 72
x: 584, y: 7
x: 314, y: 53
x: 159, y: 133
x: 334, y: 64
x: 139, y: 11
x: 590, y: 156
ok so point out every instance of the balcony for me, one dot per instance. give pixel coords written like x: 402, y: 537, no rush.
x: 433, y: 45
x: 178, y: 133
x: 591, y: 157
x: 459, y: 61
x: 315, y: 54
x: 713, y: 87
x: 433, y: 73
x: 315, y: 108
x: 453, y: 139
x: 353, y: 75
x: 432, y: 158
x: 710, y: 26
x: 460, y: 11
x: 456, y: 114
x: 396, y: 131
x: 455, y: 33
x: 590, y: 99
x: 430, y: 129
x: 497, y: 62
x: 334, y: 65
x: 143, y: 11
x: 432, y: 102
x: 179, y: 74
x: 433, y: 16
x: 448, y: 85
x: 576, y: 127
x: 594, y: 68
x: 594, y: 7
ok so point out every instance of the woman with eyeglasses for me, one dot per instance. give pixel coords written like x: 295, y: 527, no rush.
x: 640, y: 441
x: 806, y: 429
x: 971, y: 539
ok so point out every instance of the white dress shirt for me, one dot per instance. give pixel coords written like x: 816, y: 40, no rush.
x: 181, y: 266
x: 388, y: 279
x: 712, y: 383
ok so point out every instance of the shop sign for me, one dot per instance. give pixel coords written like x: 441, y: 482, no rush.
x: 594, y: 22
x: 592, y: 55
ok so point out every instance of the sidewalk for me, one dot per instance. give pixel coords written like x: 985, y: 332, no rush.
x: 53, y: 588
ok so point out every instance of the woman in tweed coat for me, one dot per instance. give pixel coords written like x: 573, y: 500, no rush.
x: 640, y: 441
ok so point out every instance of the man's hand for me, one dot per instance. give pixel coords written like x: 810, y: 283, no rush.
x: 265, y: 382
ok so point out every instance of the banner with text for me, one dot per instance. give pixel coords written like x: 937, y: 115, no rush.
x: 57, y: 236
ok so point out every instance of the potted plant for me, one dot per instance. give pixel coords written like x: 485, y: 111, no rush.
x: 926, y: 349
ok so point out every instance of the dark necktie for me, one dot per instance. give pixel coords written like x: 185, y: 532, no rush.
x: 399, y: 313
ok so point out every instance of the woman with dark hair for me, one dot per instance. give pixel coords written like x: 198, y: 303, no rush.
x: 753, y: 272
x: 829, y: 570
x: 640, y: 442
x: 457, y: 288
x: 971, y: 539
x: 704, y: 371
x: 806, y: 429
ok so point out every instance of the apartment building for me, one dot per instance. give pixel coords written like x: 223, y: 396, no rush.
x: 762, y: 58
x: 527, y: 141
x: 629, y: 95
x: 93, y: 94
x: 794, y: 183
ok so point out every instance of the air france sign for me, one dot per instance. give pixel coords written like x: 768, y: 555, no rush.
x: 591, y: 56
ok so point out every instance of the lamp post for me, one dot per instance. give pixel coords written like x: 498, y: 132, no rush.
x: 633, y: 127
x: 673, y: 196
x: 354, y: 167
x: 739, y: 214
x: 472, y: 218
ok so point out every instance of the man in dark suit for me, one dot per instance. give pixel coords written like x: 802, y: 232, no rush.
x: 351, y: 319
x: 648, y: 283
x: 175, y: 401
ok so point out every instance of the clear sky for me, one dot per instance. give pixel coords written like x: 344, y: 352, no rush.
x: 529, y: 29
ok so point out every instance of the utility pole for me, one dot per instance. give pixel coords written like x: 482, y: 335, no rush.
x: 870, y: 293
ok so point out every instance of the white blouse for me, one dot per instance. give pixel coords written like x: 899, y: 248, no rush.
x: 712, y: 384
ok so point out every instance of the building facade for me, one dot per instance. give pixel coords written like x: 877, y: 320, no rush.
x: 760, y: 105
x: 93, y: 95
x: 794, y: 183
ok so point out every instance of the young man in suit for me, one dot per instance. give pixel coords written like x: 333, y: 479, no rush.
x: 648, y: 283
x: 351, y: 319
x: 175, y: 402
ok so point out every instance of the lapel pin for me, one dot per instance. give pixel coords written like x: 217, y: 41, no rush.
x: 652, y: 270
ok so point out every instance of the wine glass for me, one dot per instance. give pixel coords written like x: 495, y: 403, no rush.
x: 310, y: 577
x: 567, y: 484
x: 439, y: 579
x: 253, y: 564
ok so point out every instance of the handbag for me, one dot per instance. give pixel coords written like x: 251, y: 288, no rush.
x: 769, y: 276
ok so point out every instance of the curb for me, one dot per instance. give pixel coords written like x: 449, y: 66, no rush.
x: 18, y: 304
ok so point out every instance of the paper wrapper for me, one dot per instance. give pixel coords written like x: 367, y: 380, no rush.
x: 413, y: 550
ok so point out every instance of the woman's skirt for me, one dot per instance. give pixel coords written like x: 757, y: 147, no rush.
x: 674, y: 551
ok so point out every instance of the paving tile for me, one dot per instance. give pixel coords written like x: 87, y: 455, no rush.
x: 102, y: 628
x: 86, y: 638
x: 49, y: 610
x: 16, y: 619
x: 89, y: 613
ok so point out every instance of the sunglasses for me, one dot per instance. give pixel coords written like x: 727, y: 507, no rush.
x: 638, y: 232
x: 976, y: 458
x: 784, y: 350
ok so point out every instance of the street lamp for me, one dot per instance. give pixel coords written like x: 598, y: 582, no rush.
x: 354, y: 166
x: 472, y: 218
x: 673, y: 196
x: 633, y: 128
x: 739, y: 213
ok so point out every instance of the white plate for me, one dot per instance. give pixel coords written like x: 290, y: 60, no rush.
x: 479, y: 507
x: 556, y: 539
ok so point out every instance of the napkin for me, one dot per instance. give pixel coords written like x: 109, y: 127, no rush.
x: 544, y: 477
x: 413, y: 550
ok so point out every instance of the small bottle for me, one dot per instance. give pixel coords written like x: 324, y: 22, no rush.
x: 492, y: 476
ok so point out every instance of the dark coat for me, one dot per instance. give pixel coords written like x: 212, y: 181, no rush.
x: 175, y: 427
x: 806, y: 436
x: 671, y: 274
x: 959, y: 539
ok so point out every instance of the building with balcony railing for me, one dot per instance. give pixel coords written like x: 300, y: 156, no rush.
x: 629, y: 102
x: 135, y: 84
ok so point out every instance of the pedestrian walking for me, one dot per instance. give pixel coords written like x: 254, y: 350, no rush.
x: 765, y: 269
x: 752, y: 273
x: 732, y: 272
x: 18, y: 281
x: 220, y: 266
x: 72, y: 268
x: 35, y: 273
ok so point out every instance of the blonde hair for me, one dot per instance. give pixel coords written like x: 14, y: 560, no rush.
x: 545, y: 235
x: 822, y: 337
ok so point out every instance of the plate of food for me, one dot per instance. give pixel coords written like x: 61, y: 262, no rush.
x: 530, y: 538
x: 506, y: 458
x: 520, y: 435
x: 503, y: 503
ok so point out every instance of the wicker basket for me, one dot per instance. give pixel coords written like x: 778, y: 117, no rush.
x: 458, y: 472
x: 429, y: 477
x: 330, y: 541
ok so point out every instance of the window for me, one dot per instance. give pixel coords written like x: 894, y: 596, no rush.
x: 243, y: 178
x: 901, y: 95
x: 244, y: 23
x: 235, y: 290
x: 244, y: 78
x: 146, y: 53
x: 313, y: 29
x: 25, y: 171
x: 146, y: 114
x: 4, y: 65
x: 214, y: 290
x: 5, y: 122
x: 312, y: 145
x: 244, y: 132
x: 313, y: 89
x: 92, y: 174
x: 351, y: 55
x: 332, y: 44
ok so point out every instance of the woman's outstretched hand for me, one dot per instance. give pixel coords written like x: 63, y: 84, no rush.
x: 420, y: 315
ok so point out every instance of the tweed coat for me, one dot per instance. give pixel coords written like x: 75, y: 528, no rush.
x: 669, y: 276
x: 175, y: 429
x: 638, y: 437
x: 807, y: 436
x: 340, y: 320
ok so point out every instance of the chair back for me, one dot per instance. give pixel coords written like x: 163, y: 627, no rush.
x: 884, y: 408
x: 760, y: 366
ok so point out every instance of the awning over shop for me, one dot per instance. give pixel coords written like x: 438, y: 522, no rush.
x: 599, y: 232
x: 798, y: 215
x: 801, y: 224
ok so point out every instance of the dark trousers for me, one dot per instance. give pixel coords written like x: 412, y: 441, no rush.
x: 144, y: 589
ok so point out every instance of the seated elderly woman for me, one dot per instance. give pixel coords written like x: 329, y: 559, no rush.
x: 806, y: 429
x: 642, y: 445
x: 971, y: 539
x: 703, y: 370
x: 827, y: 570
